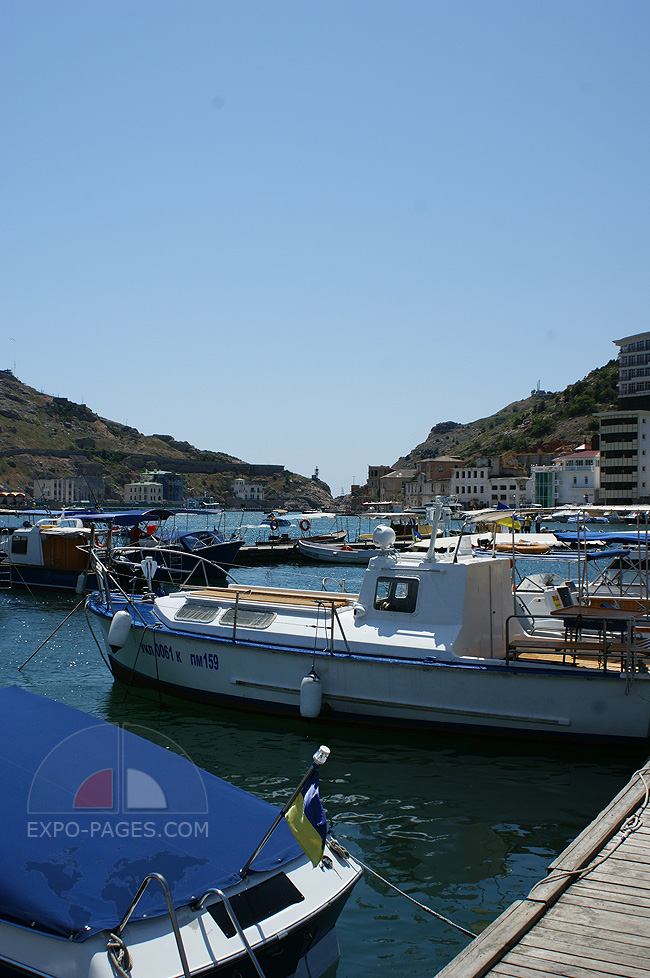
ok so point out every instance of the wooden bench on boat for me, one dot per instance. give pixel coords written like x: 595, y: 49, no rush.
x: 268, y: 595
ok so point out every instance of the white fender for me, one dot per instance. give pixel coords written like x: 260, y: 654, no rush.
x: 118, y: 633
x: 311, y: 695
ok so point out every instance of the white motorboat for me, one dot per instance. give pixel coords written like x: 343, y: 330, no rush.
x: 426, y: 642
x: 120, y: 857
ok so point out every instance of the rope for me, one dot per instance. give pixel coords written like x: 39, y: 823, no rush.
x: 118, y: 955
x: 337, y: 847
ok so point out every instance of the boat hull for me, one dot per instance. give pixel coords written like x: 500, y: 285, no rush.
x: 381, y: 689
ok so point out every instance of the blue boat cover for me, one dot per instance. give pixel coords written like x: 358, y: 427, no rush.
x: 89, y: 809
x: 631, y: 537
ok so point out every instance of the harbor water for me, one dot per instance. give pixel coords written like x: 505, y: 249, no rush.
x: 463, y: 824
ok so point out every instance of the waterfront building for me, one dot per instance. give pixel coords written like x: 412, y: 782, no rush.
x: 625, y: 455
x: 433, y: 478
x: 248, y: 492
x: 392, y: 486
x: 571, y: 480
x: 143, y: 493
x: 173, y: 484
x: 70, y: 490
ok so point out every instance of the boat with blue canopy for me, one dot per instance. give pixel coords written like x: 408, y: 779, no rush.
x: 120, y: 853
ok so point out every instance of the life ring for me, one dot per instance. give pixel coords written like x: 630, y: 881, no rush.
x: 345, y: 548
x: 274, y: 524
x: 305, y: 526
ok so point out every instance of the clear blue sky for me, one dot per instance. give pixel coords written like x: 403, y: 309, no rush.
x: 305, y: 231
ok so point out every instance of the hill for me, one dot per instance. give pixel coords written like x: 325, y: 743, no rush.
x: 45, y: 437
x: 545, y: 422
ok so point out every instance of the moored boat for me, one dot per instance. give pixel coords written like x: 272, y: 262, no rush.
x: 120, y: 857
x: 426, y: 642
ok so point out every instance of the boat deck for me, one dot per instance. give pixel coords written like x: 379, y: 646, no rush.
x: 590, y: 916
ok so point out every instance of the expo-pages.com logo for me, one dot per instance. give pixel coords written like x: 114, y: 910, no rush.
x: 104, y: 782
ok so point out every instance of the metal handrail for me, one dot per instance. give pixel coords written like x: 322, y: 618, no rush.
x: 172, y: 914
x: 198, y: 905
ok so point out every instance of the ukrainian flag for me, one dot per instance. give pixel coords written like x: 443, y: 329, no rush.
x: 307, y: 821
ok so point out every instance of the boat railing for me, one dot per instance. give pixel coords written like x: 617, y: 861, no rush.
x: 199, y: 904
x: 591, y: 637
x: 172, y: 914
x: 176, y: 575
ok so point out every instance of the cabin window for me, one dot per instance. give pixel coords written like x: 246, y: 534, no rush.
x: 18, y: 544
x: 396, y: 594
x: 248, y: 618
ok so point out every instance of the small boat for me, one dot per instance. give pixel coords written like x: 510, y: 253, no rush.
x: 52, y: 553
x: 275, y: 520
x: 427, y: 641
x: 120, y: 857
x: 284, y: 548
x: 532, y: 548
x: 338, y: 553
x: 199, y: 556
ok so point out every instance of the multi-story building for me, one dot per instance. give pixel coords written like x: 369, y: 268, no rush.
x: 72, y: 490
x: 625, y: 433
x: 625, y: 455
x: 433, y: 478
x: 248, y: 492
x: 634, y: 371
x: 143, y: 493
x: 373, y: 485
x: 572, y: 479
x: 173, y: 484
x: 393, y: 485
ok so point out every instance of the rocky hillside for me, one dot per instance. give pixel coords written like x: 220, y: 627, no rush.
x: 45, y: 437
x: 544, y: 422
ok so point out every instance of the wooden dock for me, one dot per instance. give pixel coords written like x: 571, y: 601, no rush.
x: 590, y: 917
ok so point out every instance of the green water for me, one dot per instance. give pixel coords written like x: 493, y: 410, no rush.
x: 464, y: 824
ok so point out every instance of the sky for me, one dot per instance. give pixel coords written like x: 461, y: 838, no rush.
x: 303, y: 232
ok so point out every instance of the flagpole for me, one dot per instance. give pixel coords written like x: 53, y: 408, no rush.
x: 319, y: 759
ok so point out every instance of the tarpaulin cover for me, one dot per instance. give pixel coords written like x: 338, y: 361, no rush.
x: 631, y: 537
x: 89, y: 809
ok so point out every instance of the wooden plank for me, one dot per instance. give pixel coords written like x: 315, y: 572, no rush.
x: 625, y: 875
x: 618, y: 893
x: 574, y: 900
x: 619, y: 955
x: 512, y: 971
x: 553, y: 963
x: 605, y: 920
x: 543, y: 936
x: 555, y: 924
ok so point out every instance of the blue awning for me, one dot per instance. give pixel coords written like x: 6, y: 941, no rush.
x: 121, y: 517
x: 88, y: 809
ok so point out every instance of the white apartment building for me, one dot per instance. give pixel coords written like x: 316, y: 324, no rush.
x: 248, y: 491
x: 572, y: 480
